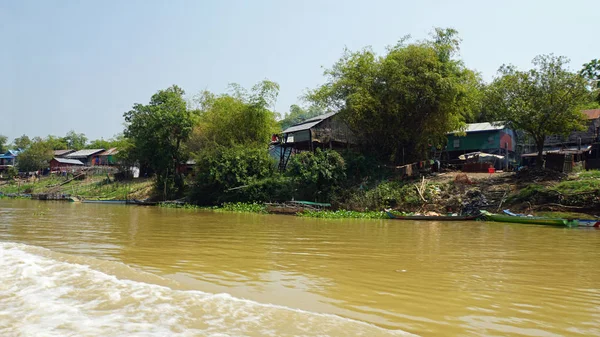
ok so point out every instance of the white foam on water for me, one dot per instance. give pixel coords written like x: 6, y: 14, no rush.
x: 45, y: 296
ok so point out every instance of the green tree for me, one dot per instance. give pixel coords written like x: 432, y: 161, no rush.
x: 75, y: 140
x: 542, y: 101
x: 297, y: 114
x: 236, y: 118
x: 157, y: 132
x: 22, y: 142
x: 3, y: 140
x: 36, y: 157
x: 591, y: 72
x: 401, y: 103
x: 230, y: 140
x: 117, y: 141
x: 56, y: 143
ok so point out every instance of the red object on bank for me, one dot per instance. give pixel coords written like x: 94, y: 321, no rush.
x: 491, y: 170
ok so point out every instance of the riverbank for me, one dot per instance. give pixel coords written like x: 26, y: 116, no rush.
x: 533, y: 192
x: 98, y: 186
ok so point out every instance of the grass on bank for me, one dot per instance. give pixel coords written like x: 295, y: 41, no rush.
x: 93, y: 187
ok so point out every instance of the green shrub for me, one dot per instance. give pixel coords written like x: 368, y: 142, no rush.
x: 242, y: 207
x: 317, y: 174
x: 222, y: 170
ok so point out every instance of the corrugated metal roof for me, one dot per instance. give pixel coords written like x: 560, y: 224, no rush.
x: 301, y: 127
x: 84, y: 153
x: 62, y: 152
x: 478, y: 127
x: 11, y: 153
x: 309, y: 123
x: 592, y: 114
x: 109, y: 152
x: 68, y: 161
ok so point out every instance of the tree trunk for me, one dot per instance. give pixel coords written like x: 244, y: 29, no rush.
x: 539, y: 162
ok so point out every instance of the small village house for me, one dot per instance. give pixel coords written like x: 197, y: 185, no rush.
x: 106, y: 157
x: 326, y: 131
x: 488, y: 138
x: 8, y: 159
x: 563, y: 152
x: 61, y: 164
x: 85, y: 156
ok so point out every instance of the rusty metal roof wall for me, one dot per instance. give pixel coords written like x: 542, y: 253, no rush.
x: 109, y: 152
x: 592, y: 114
x: 84, y: 153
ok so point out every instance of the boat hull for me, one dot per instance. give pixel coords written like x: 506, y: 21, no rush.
x: 433, y: 218
x: 529, y: 220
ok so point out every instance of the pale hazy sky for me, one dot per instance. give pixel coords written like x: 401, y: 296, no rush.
x: 80, y: 64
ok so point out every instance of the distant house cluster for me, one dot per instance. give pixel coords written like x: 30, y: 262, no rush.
x: 64, y: 159
x: 477, y: 147
x: 496, y: 144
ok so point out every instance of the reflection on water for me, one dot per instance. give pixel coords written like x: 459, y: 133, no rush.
x: 470, y: 278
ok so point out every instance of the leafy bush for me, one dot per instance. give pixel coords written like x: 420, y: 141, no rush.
x: 242, y: 207
x: 317, y: 174
x: 224, y: 170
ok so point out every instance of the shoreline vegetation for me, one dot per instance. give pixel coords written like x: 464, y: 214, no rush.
x: 542, y: 193
x: 373, y: 136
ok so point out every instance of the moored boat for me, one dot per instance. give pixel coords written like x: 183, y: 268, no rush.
x: 534, y: 220
x: 433, y: 217
x: 580, y: 222
x: 95, y: 201
x: 295, y: 206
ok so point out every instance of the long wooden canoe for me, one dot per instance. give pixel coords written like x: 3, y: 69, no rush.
x: 580, y: 222
x: 534, y: 220
x: 433, y: 217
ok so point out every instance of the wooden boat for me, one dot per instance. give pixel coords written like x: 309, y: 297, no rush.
x: 112, y: 202
x: 433, y: 217
x: 588, y: 223
x: 295, y: 206
x: 580, y: 222
x: 141, y: 202
x: 534, y: 220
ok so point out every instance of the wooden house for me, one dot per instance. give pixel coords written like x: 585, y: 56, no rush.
x: 577, y: 139
x: 326, y: 131
x: 106, y: 157
x: 8, y: 159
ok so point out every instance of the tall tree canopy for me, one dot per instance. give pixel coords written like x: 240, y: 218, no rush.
x: 230, y: 140
x: 542, y: 101
x: 74, y: 140
x: 117, y: 141
x: 591, y: 72
x: 22, y: 142
x: 3, y: 140
x: 236, y: 118
x: 36, y: 157
x: 401, y: 103
x: 157, y: 132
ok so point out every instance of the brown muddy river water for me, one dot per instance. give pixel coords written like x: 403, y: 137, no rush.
x: 71, y: 269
